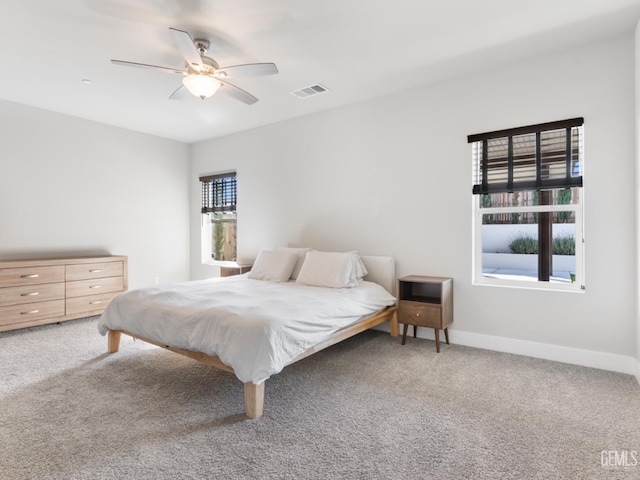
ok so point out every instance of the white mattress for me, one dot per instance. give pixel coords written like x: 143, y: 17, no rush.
x: 255, y: 327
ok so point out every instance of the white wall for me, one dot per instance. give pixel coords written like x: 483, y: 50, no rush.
x: 393, y: 176
x: 74, y: 187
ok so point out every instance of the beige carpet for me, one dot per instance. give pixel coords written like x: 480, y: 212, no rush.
x: 367, y: 408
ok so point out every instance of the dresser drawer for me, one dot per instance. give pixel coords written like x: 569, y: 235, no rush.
x: 94, y: 287
x: 89, y: 303
x: 31, y: 293
x: 12, y: 277
x: 421, y: 314
x: 87, y: 271
x: 31, y: 311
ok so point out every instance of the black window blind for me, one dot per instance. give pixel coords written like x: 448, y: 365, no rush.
x: 219, y: 193
x: 537, y: 157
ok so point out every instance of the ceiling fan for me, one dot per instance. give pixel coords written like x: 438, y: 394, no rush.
x: 202, y: 76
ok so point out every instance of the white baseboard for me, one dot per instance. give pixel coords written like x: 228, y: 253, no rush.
x: 557, y: 353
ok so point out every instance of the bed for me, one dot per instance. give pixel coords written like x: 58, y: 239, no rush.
x: 255, y: 324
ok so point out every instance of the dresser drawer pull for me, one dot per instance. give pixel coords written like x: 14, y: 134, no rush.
x: 95, y: 302
x: 31, y: 294
x: 30, y: 312
x: 31, y: 275
x: 97, y: 270
x: 418, y: 314
x: 95, y: 286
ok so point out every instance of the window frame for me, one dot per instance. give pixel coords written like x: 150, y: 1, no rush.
x: 479, y: 164
x: 209, y: 207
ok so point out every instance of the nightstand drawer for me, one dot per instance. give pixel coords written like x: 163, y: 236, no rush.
x: 421, y: 314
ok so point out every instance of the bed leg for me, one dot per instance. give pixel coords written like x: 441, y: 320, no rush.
x: 113, y: 341
x: 393, y: 324
x: 253, y: 399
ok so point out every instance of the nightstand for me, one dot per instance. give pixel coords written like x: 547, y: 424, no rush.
x: 235, y: 270
x: 425, y: 302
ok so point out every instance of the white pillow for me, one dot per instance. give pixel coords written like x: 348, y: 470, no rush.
x: 332, y: 269
x: 273, y: 266
x: 301, y: 253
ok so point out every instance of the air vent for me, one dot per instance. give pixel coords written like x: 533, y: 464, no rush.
x: 310, y: 91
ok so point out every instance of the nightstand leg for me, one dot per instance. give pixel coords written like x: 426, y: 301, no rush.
x: 446, y: 335
x: 415, y: 329
x: 437, y: 340
x: 404, y: 334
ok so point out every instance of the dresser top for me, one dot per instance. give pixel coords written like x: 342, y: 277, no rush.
x: 31, y: 262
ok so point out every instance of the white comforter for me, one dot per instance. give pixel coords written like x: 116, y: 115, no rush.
x: 255, y: 327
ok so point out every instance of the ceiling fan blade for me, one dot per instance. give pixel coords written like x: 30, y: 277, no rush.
x: 248, y: 70
x: 237, y: 93
x: 179, y: 93
x: 187, y: 47
x: 124, y: 63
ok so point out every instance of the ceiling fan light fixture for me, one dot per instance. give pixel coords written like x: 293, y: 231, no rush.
x: 202, y: 86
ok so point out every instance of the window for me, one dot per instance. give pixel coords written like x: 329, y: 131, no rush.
x: 528, y: 196
x: 219, y: 219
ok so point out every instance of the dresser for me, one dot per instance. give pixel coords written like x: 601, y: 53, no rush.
x: 40, y: 291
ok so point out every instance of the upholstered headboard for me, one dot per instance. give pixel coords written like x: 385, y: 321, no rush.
x: 382, y: 270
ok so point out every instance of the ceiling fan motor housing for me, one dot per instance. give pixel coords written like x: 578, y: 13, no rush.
x: 208, y: 67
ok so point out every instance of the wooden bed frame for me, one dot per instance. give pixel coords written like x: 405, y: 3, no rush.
x: 254, y: 394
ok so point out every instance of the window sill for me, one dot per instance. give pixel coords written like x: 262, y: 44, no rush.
x: 227, y: 264
x: 506, y: 281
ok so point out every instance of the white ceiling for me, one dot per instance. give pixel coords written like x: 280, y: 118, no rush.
x: 359, y: 49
